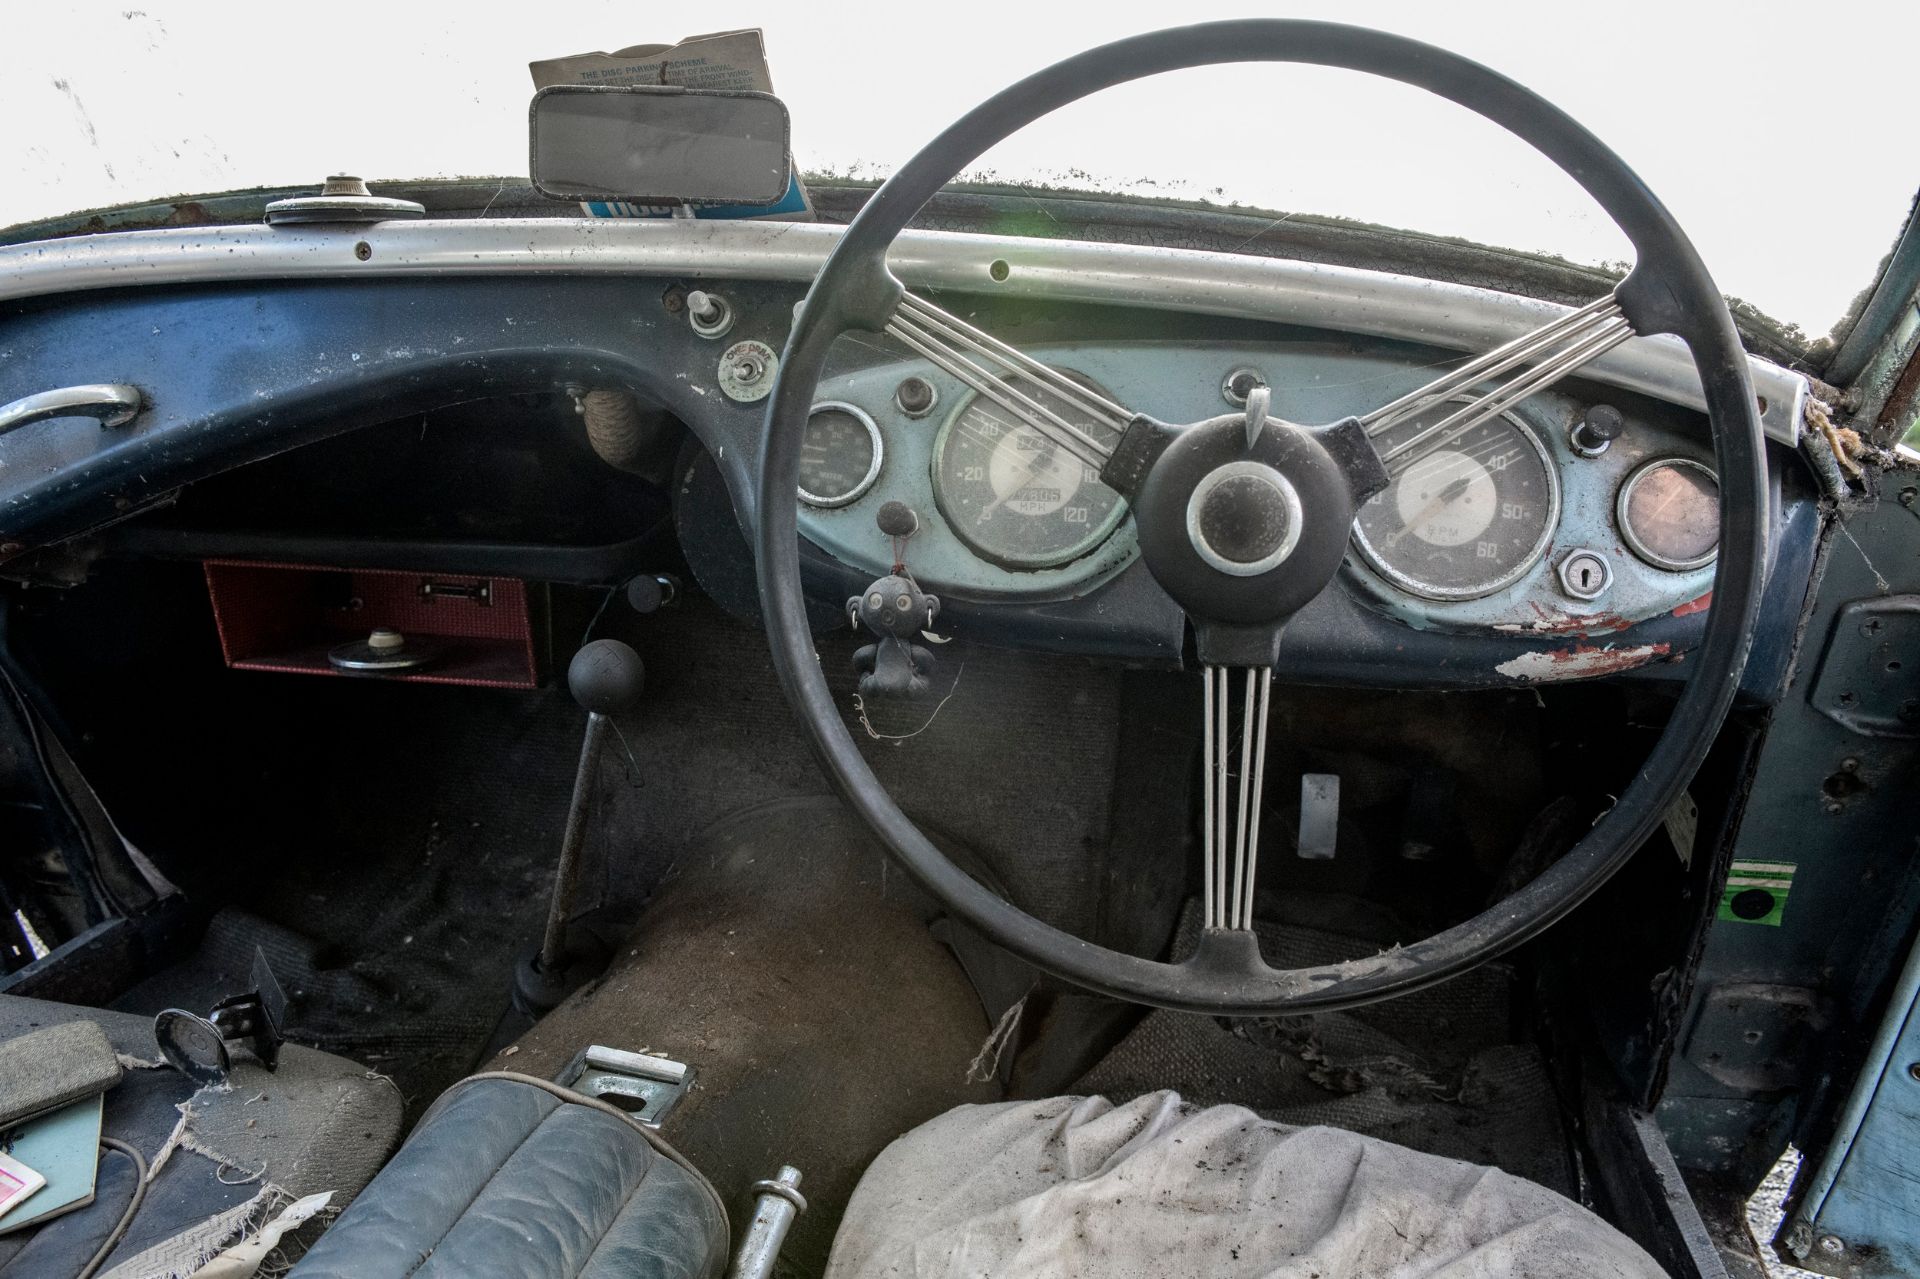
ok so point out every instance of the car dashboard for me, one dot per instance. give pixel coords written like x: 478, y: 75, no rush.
x: 1567, y: 537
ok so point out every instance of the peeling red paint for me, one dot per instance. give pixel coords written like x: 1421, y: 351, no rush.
x: 1691, y: 607
x: 1582, y: 661
x: 1598, y: 658
x: 1554, y: 623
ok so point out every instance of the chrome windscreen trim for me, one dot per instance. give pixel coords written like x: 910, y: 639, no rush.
x: 1342, y: 299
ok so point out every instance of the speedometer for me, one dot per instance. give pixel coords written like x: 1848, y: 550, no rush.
x: 1015, y: 497
x: 1463, y: 516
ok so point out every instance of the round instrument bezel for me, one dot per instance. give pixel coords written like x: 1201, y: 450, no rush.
x: 1525, y: 565
x: 1638, y: 544
x: 859, y: 490
x: 1097, y: 534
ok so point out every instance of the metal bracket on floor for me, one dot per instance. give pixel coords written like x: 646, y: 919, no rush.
x: 646, y: 1086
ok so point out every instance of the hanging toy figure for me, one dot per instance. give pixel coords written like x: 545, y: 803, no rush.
x: 895, y: 609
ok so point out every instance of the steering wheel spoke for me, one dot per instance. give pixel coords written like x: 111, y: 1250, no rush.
x: 1007, y: 376
x: 1230, y: 832
x: 1555, y: 351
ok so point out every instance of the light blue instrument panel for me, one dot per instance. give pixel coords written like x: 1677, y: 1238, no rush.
x: 1513, y: 531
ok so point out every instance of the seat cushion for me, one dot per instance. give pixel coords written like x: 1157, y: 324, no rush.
x: 509, y: 1176
x: 1080, y: 1187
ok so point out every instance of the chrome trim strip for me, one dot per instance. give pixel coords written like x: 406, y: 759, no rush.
x: 112, y: 403
x: 1343, y: 299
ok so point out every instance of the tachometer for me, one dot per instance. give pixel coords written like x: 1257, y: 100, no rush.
x: 839, y: 456
x: 1015, y: 497
x: 1463, y: 519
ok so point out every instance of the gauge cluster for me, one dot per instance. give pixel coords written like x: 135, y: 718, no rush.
x: 1532, y: 528
x: 1561, y: 514
x: 1004, y: 513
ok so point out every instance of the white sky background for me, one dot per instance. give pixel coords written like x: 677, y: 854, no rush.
x: 1781, y: 134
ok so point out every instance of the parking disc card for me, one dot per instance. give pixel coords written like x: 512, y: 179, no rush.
x: 17, y: 1182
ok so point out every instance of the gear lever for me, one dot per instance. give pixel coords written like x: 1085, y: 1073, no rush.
x: 605, y: 677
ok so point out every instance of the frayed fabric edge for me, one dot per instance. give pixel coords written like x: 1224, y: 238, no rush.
x: 180, y: 1256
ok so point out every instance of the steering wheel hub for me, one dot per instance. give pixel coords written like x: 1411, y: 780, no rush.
x: 1244, y: 518
x: 1242, y: 534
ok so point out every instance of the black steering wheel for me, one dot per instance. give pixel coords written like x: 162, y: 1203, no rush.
x: 1244, y: 518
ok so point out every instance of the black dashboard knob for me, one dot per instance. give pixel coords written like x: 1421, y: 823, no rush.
x: 651, y: 592
x: 897, y: 519
x: 915, y: 396
x: 1598, y: 427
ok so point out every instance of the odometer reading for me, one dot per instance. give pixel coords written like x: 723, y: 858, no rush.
x: 839, y: 455
x: 1463, y: 518
x: 1015, y: 497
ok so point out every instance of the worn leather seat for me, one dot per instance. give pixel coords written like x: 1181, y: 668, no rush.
x: 508, y: 1175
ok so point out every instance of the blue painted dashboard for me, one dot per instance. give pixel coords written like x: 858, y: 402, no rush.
x: 239, y: 372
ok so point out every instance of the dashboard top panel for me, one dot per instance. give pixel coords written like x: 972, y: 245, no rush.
x: 1343, y: 299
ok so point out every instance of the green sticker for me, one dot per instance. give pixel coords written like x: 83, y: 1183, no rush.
x: 1756, y: 892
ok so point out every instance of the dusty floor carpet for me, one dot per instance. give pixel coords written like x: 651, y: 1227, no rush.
x: 1440, y: 1071
x: 390, y: 847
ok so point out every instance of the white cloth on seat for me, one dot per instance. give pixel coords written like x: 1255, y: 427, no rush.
x: 1076, y: 1186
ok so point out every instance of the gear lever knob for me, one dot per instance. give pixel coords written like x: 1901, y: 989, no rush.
x: 606, y: 676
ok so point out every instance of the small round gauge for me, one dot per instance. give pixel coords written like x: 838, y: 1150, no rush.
x: 1669, y: 513
x: 1463, y: 517
x: 1012, y: 495
x: 839, y: 456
